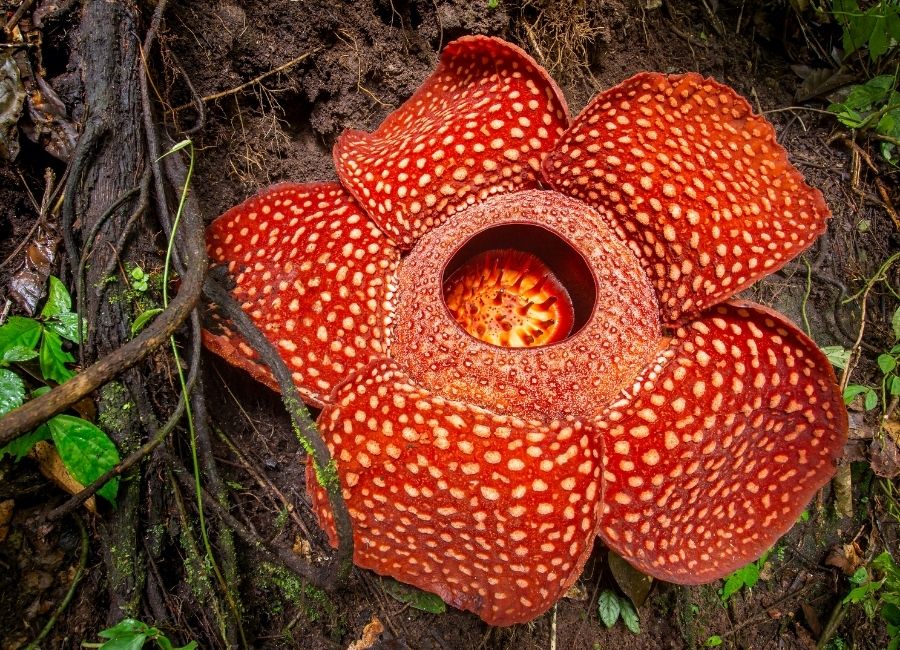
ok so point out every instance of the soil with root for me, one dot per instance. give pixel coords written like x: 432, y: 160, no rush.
x: 263, y: 88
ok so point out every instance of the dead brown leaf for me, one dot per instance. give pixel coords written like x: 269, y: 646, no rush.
x: 302, y: 548
x: 6, y: 513
x: 884, y: 457
x: 577, y: 592
x: 892, y: 428
x: 52, y: 467
x: 371, y: 633
x: 845, y: 557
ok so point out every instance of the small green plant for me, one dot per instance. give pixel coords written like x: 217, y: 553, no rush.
x: 138, y: 279
x: 877, y: 591
x: 876, y: 29
x: 415, y: 598
x: 874, y: 105
x: 747, y: 576
x: 612, y: 607
x: 888, y: 363
x: 837, y: 643
x: 131, y: 634
x: 85, y: 450
x: 713, y: 642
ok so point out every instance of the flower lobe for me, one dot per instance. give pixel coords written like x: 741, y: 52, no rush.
x: 479, y: 125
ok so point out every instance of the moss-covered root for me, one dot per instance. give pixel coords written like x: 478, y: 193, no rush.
x: 125, y: 567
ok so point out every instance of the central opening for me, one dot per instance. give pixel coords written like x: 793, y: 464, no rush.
x: 519, y: 286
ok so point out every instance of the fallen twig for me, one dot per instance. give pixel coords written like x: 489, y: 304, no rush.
x: 247, y: 84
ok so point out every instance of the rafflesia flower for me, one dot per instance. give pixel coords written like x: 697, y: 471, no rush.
x: 519, y: 331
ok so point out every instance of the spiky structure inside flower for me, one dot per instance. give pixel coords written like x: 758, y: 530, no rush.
x: 521, y: 336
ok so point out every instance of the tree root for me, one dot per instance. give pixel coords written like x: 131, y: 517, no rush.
x: 303, y: 425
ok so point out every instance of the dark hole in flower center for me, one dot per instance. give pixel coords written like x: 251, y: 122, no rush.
x: 519, y: 285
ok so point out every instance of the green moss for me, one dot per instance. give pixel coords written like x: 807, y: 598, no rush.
x: 196, y: 569
x: 326, y: 476
x: 124, y: 570
x: 114, y: 412
x: 281, y: 519
x: 314, y: 604
x: 154, y: 538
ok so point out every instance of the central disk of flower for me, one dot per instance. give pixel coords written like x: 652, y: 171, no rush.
x: 511, y: 299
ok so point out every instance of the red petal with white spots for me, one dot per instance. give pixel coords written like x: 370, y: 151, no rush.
x: 724, y: 441
x: 480, y: 124
x: 495, y: 514
x: 695, y: 182
x: 314, y: 274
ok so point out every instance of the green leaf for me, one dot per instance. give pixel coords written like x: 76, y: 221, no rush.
x: 887, y: 363
x: 733, y: 584
x: 19, y: 333
x: 847, y: 116
x: 837, y: 355
x: 888, y: 124
x: 863, y: 592
x: 54, y: 358
x: 125, y: 627
x: 58, y: 300
x: 858, y: 32
x: 860, y: 576
x: 417, y: 599
x: 874, y: 92
x: 12, y: 391
x: 178, y: 146
x: 895, y: 324
x: 609, y: 608
x: 894, y: 385
x: 629, y: 616
x: 129, y: 642
x: 853, y: 390
x: 871, y: 400
x: 891, y: 614
x: 66, y: 325
x: 19, y: 447
x: 714, y: 641
x: 892, y: 24
x: 885, y: 563
x: 143, y: 318
x: 878, y: 39
x: 17, y: 354
x: 749, y: 574
x: 86, y: 451
x: 843, y: 11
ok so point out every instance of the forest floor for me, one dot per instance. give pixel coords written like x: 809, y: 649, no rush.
x: 281, y: 80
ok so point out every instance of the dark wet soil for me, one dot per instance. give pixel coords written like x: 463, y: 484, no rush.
x: 353, y: 63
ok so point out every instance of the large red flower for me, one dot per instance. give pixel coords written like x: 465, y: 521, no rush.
x: 519, y: 331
